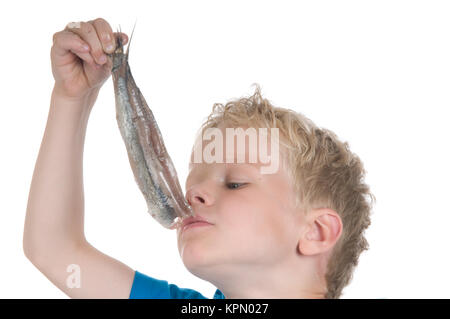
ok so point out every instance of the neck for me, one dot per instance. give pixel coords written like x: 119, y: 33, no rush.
x: 276, y: 281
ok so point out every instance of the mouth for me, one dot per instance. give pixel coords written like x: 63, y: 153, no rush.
x: 196, y: 221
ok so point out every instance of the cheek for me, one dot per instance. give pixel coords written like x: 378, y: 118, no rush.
x: 270, y: 223
x: 255, y: 218
x: 239, y: 210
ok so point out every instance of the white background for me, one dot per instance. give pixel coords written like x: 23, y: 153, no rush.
x: 377, y: 73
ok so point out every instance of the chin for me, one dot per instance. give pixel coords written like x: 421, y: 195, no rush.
x: 193, y: 255
x: 200, y: 260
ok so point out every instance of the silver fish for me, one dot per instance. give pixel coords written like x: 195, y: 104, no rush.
x: 152, y: 167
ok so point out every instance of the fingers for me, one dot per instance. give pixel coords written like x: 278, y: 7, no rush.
x: 87, y: 32
x: 99, y: 36
x: 123, y: 37
x: 65, y: 41
x: 96, y: 34
x: 105, y: 35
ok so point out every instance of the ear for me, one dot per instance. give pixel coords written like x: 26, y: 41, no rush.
x: 322, y: 231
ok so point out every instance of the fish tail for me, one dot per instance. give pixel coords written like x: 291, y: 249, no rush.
x: 119, y: 38
x: 129, y: 42
x: 119, y: 42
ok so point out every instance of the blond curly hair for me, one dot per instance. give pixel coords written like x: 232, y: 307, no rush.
x: 325, y: 173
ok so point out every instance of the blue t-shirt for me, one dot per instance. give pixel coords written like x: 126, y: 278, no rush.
x: 145, y: 287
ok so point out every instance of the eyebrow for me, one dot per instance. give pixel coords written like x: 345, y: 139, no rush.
x: 232, y: 165
x: 248, y: 165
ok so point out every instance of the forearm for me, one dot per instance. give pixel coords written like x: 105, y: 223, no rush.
x: 54, y: 225
x: 55, y: 210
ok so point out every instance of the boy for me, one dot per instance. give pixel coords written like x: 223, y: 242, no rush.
x: 295, y: 232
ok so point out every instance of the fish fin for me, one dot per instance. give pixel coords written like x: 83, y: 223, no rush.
x: 129, y: 42
x: 119, y: 38
x: 119, y: 42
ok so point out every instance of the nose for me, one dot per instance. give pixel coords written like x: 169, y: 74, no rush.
x: 198, y: 196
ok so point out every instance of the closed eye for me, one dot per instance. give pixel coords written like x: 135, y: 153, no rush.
x: 235, y: 185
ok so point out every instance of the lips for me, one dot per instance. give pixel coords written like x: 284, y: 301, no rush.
x: 193, y: 220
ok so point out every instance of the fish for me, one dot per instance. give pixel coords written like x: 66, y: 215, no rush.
x: 150, y: 162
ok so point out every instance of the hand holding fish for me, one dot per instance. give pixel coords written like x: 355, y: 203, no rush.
x: 80, y: 64
x: 83, y: 56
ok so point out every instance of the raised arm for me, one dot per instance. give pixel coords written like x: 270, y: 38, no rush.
x: 54, y: 239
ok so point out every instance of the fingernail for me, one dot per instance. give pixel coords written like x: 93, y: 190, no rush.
x: 85, y: 47
x: 110, y: 47
x: 102, y: 59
